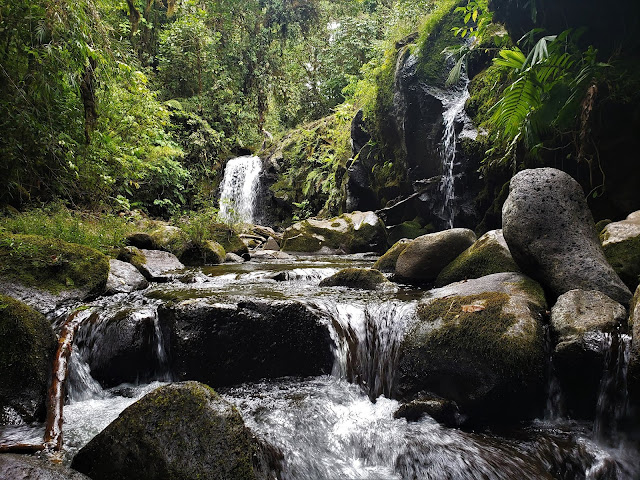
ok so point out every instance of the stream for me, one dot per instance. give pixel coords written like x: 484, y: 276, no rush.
x: 342, y: 425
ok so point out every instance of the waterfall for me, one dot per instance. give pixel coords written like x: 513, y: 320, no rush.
x: 454, y: 107
x: 239, y: 189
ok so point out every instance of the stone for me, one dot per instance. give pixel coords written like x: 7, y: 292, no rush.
x: 181, y: 431
x: 227, y: 237
x: 621, y: 245
x: 140, y: 240
x: 354, y: 232
x: 124, y: 278
x: 230, y: 343
x: 155, y: 265
x: 425, y: 257
x: 580, y: 320
x: 480, y: 344
x: 387, y: 262
x: 489, y: 254
x: 271, y: 244
x: 170, y: 239
x: 46, y: 273
x: 233, y: 258
x: 27, y: 347
x: 551, y: 235
x: 271, y: 255
x: 361, y: 278
x: 24, y: 467
x: 634, y: 357
x: 441, y: 410
x: 207, y: 252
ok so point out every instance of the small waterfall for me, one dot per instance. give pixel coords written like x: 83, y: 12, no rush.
x: 239, y: 189
x: 454, y: 107
x: 82, y: 386
x: 554, y: 409
x: 367, y: 339
x: 613, y: 395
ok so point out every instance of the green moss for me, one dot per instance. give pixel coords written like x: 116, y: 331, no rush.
x: 227, y: 237
x: 601, y: 224
x: 301, y: 242
x: 477, y: 261
x: 208, y: 252
x: 485, y: 89
x: 52, y: 265
x: 170, y: 239
x: 624, y: 257
x: 387, y: 262
x: 27, y: 345
x: 534, y: 290
x: 411, y: 229
x: 133, y: 256
x: 481, y: 333
x: 363, y: 278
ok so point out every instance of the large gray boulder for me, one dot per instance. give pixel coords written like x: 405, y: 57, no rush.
x: 180, y: 432
x: 551, y: 235
x: 124, y: 278
x: 479, y: 343
x: 230, y: 343
x: 581, y: 322
x: 387, y: 262
x: 634, y: 359
x: 155, y: 265
x: 621, y: 245
x: 23, y: 467
x: 489, y: 254
x: 425, y: 257
x: 349, y: 233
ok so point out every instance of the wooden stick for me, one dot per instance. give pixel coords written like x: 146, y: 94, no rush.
x: 22, y: 448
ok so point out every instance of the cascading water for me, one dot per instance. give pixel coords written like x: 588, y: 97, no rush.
x: 239, y: 189
x: 454, y: 108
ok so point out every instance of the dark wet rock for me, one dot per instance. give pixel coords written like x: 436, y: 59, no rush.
x: 228, y: 238
x: 551, y: 235
x: 480, y: 344
x: 425, y: 257
x: 27, y: 347
x: 182, y: 431
x: 441, y: 410
x: 354, y: 232
x: 634, y: 360
x: 227, y: 344
x: 207, y: 252
x: 140, y: 240
x: 24, y: 467
x: 124, y: 278
x: 155, y: 265
x: 121, y: 346
x: 621, y: 245
x: 387, y: 262
x: 46, y: 273
x: 489, y: 254
x: 409, y: 229
x: 362, y: 278
x: 580, y: 319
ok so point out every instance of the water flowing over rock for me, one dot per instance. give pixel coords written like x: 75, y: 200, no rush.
x: 634, y: 362
x: 229, y: 343
x: 583, y: 322
x: 621, y: 245
x: 239, y: 189
x: 478, y: 343
x: 489, y: 254
x: 551, y: 235
x: 181, y: 431
x: 426, y: 256
x: 124, y: 278
x: 349, y: 233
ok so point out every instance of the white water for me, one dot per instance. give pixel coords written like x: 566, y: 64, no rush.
x: 454, y: 107
x: 239, y: 189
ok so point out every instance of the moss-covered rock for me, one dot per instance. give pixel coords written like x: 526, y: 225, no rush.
x: 634, y: 360
x: 621, y: 245
x: 387, y: 262
x: 489, y: 254
x: 425, y: 257
x: 227, y: 237
x: 363, y: 278
x: 480, y: 344
x: 410, y: 229
x: 25, y: 467
x: 182, y: 431
x: 209, y: 252
x: 154, y: 265
x: 27, y: 346
x: 170, y: 239
x: 44, y: 272
x: 349, y: 233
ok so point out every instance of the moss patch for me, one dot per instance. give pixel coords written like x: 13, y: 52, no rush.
x: 363, y: 278
x: 387, y: 262
x: 170, y: 239
x: 52, y: 265
x: 624, y: 257
x: 227, y: 237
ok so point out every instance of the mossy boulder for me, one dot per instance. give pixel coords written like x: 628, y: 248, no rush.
x: 230, y: 343
x: 170, y: 239
x: 362, y: 278
x: 154, y: 265
x: 425, y: 257
x: 180, y: 432
x: 227, y: 237
x: 45, y: 272
x: 634, y: 359
x: 209, y: 252
x: 479, y: 343
x: 349, y: 233
x: 27, y: 347
x: 489, y: 254
x: 621, y: 245
x: 387, y: 262
x: 24, y: 467
x: 580, y: 320
x: 409, y: 229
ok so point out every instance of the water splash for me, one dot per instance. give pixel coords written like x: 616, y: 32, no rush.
x: 239, y: 189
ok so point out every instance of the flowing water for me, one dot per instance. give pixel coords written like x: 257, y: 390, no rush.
x: 239, y: 189
x: 342, y: 425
